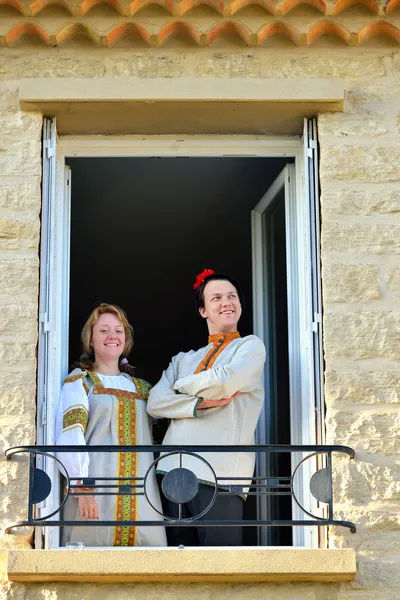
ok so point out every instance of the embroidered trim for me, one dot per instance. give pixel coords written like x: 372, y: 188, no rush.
x: 196, y: 406
x: 117, y: 393
x: 95, y: 378
x: 219, y: 342
x: 143, y: 387
x: 126, y: 506
x: 72, y: 378
x: 214, y: 338
x: 76, y: 415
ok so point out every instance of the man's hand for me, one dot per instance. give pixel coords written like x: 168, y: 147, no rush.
x: 88, y: 507
x: 216, y: 403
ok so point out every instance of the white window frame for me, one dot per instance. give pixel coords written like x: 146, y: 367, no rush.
x: 174, y: 146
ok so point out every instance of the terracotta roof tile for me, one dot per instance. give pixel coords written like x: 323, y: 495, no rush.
x: 225, y: 8
x: 201, y: 38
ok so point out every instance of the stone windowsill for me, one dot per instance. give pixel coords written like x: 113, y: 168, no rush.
x: 190, y: 564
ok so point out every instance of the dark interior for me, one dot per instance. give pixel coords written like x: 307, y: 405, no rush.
x: 142, y: 228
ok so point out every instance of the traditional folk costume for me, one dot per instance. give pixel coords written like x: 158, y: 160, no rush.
x: 228, y: 364
x: 100, y: 409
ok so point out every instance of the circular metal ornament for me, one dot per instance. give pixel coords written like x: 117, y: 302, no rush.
x: 41, y: 486
x: 319, y: 485
x: 180, y: 485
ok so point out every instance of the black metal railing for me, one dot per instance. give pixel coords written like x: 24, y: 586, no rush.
x: 180, y: 488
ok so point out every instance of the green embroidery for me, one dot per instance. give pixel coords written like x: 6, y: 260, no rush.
x: 196, y: 406
x: 75, y: 415
x: 143, y: 387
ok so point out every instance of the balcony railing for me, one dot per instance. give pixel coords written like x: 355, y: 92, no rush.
x: 182, y: 488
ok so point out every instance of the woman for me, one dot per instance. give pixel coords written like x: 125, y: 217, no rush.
x: 103, y: 404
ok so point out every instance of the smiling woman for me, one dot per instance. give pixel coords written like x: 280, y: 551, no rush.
x: 103, y: 404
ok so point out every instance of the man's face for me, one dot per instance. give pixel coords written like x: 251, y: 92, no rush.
x: 222, y: 307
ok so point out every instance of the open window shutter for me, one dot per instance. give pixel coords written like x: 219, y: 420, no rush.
x: 45, y: 429
x: 315, y: 309
x: 312, y: 191
x: 45, y: 433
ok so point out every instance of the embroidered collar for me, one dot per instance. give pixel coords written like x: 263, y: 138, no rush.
x: 216, y: 338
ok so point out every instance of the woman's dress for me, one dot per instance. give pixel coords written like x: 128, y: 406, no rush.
x: 100, y: 410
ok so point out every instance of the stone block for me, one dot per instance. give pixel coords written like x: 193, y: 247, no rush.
x: 18, y: 194
x: 379, y: 164
x: 14, y: 353
x: 224, y: 64
x: 392, y: 277
x: 359, y: 202
x: 357, y: 387
x: 327, y: 65
x: 18, y: 434
x: 396, y: 65
x: 16, y: 377
x: 377, y: 574
x: 350, y: 283
x: 19, y: 278
x: 368, y: 433
x: 370, y: 124
x: 22, y: 157
x: 19, y: 321
x: 147, y: 65
x: 361, y: 336
x: 361, y: 484
x: 18, y: 125
x: 373, y: 91
x: 15, y: 66
x: 380, y: 544
x: 371, y: 239
x: 17, y: 402
x: 8, y: 97
x: 18, y: 234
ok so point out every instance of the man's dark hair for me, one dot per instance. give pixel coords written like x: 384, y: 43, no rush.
x: 216, y: 277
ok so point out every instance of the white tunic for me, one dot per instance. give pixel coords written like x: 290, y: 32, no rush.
x: 98, y: 409
x: 238, y: 368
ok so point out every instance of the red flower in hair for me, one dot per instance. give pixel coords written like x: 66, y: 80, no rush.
x: 201, y: 277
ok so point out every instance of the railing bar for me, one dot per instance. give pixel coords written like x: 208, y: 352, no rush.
x: 163, y: 449
x: 93, y: 487
x: 108, y: 479
x: 185, y: 523
x: 108, y: 494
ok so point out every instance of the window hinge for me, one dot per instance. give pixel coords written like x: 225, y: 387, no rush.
x: 43, y: 319
x: 316, y: 322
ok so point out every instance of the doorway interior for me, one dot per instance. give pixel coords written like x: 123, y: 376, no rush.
x: 143, y: 227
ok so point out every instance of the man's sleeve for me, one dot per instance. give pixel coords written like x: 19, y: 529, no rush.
x: 164, y: 402
x: 243, y: 371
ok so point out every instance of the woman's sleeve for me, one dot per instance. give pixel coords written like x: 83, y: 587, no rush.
x: 164, y: 402
x: 71, y: 426
x: 243, y: 371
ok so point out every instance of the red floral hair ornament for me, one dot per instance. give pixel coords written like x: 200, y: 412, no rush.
x: 201, y: 277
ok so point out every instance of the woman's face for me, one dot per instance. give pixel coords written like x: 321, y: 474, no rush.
x: 108, y: 338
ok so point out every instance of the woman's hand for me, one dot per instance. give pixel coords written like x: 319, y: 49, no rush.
x: 216, y: 403
x: 88, y: 507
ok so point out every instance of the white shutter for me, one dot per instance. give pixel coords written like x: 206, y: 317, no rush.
x: 311, y: 163
x: 312, y: 192
x: 46, y: 267
x: 45, y: 426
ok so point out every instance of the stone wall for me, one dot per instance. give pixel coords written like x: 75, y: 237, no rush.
x: 360, y: 176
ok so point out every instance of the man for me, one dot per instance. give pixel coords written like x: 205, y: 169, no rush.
x: 213, y: 396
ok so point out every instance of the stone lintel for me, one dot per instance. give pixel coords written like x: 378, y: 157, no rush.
x: 189, y: 564
x: 192, y: 106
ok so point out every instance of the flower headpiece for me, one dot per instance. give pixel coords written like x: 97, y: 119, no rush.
x: 201, y: 277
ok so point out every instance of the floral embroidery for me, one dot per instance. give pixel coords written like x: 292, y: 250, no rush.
x: 76, y: 415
